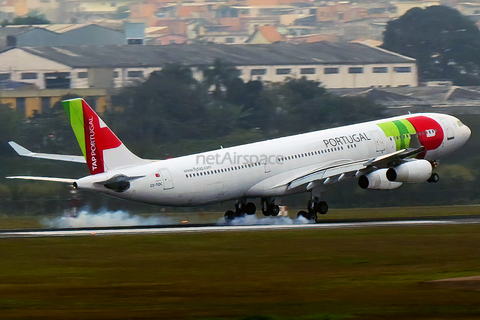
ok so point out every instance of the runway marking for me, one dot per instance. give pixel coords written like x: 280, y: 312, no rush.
x: 220, y: 228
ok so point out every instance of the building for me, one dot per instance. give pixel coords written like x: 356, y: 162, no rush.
x: 59, y: 35
x: 265, y: 34
x: 32, y: 100
x: 336, y: 65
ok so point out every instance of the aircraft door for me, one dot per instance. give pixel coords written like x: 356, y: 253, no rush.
x: 167, y: 179
x: 448, y: 129
x: 378, y: 141
x: 266, y: 165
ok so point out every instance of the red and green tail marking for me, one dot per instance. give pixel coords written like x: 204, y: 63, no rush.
x: 92, y: 134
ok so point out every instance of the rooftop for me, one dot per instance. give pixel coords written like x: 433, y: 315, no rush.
x: 56, y: 28
x: 204, y: 54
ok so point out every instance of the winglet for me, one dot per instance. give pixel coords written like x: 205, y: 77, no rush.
x: 19, y: 149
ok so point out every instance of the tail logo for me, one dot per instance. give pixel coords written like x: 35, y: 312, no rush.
x: 93, y: 146
x: 93, y: 136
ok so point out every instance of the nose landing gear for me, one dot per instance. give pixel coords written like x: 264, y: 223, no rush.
x: 434, y: 178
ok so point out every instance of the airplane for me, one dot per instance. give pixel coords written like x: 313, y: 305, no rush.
x: 382, y: 154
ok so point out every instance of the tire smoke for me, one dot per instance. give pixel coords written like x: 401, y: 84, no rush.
x: 254, y: 220
x: 118, y: 218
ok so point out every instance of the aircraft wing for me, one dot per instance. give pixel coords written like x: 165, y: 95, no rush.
x: 62, y: 180
x: 342, y: 169
x: 27, y: 153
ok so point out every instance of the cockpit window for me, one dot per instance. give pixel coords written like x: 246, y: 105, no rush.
x: 459, y: 123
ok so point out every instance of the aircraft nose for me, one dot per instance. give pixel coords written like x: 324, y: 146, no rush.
x: 466, y: 133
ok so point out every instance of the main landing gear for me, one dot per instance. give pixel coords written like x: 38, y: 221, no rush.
x: 314, y: 206
x: 269, y: 208
x: 242, y: 207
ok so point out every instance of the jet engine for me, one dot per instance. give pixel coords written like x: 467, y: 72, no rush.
x: 413, y: 171
x: 377, y: 180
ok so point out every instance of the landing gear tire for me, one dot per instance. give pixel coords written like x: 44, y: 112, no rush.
x: 302, y: 214
x: 266, y: 213
x: 239, y: 214
x: 434, y: 178
x: 321, y: 207
x: 250, y: 208
x: 230, y: 216
x: 272, y: 210
x: 311, y: 216
x: 275, y: 210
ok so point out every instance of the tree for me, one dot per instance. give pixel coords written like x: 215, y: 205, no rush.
x: 33, y: 18
x: 445, y: 43
x: 221, y: 76
x: 49, y: 131
x: 9, y: 122
x: 168, y: 107
x: 123, y: 12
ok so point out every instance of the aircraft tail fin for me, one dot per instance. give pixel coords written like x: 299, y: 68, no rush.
x: 101, y: 148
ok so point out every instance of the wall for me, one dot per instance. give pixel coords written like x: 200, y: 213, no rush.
x: 33, y: 98
x: 342, y: 79
x: 17, y: 61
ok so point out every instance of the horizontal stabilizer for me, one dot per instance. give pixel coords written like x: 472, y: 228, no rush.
x: 62, y: 180
x: 27, y: 153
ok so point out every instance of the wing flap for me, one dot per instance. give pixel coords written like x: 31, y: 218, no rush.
x: 329, y: 172
x: 344, y: 168
x: 27, y: 153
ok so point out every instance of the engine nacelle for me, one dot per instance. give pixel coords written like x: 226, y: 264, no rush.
x: 377, y: 180
x: 412, y: 171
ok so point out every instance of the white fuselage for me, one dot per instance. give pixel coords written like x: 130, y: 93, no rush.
x: 264, y: 168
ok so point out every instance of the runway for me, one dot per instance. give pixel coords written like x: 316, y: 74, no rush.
x: 185, y: 228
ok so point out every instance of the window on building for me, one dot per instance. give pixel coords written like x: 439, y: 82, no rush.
x: 258, y: 72
x: 230, y: 40
x: 57, y: 80
x: 355, y: 70
x: 380, y: 70
x: 115, y: 74
x: 29, y: 75
x: 5, y: 76
x: 46, y: 104
x: 307, y: 70
x: 283, y: 71
x: 331, y: 70
x: 402, y: 69
x: 21, y: 105
x: 134, y: 41
x: 82, y: 75
x: 135, y: 74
